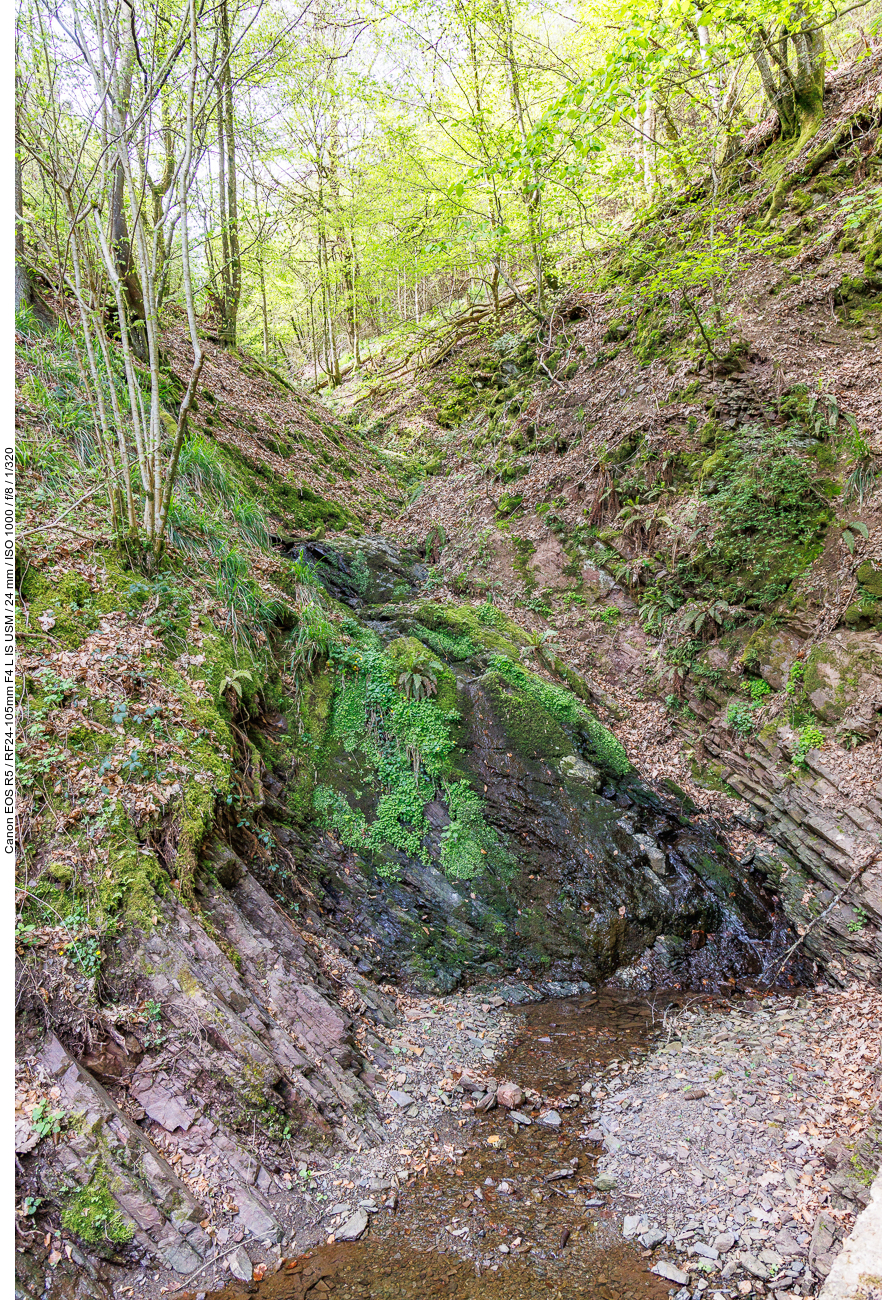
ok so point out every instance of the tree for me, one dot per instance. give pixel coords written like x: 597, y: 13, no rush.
x: 791, y: 64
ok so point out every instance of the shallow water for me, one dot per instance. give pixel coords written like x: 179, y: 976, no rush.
x: 562, y: 1238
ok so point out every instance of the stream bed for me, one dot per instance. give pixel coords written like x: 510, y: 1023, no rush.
x: 516, y: 1214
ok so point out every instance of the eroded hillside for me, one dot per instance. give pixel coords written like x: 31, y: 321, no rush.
x: 562, y: 668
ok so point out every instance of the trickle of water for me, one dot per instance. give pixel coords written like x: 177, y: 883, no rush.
x: 534, y: 1224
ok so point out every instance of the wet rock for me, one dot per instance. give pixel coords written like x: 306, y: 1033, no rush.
x: 239, y: 1264
x: 510, y: 1095
x: 575, y: 769
x: 520, y: 1118
x: 670, y: 1272
x: 551, y: 1119
x: 353, y: 1228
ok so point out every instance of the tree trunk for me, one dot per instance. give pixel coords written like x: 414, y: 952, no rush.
x: 121, y: 244
x: 231, y: 269
x: 793, y: 82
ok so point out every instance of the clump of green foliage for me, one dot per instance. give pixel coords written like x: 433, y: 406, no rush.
x: 94, y: 1216
x: 810, y: 737
x: 405, y: 739
x: 764, y: 496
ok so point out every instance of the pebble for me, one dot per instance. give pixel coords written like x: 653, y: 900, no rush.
x: 605, y: 1183
x: 510, y: 1095
x: 551, y: 1119
x: 670, y: 1272
x: 723, y: 1242
x: 401, y: 1098
x: 520, y: 1118
x: 353, y: 1228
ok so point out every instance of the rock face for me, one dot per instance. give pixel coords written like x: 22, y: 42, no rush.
x: 826, y: 820
x: 599, y: 864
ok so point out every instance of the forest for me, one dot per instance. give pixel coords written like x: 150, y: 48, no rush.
x: 448, y: 590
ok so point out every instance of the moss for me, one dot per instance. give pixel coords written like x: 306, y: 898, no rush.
x: 94, y: 1216
x: 532, y: 731
x: 463, y: 620
x: 133, y: 877
x: 870, y: 577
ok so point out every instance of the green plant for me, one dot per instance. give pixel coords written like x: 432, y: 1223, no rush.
x: 758, y: 689
x: 490, y: 615
x: 794, y: 690
x: 468, y: 845
x: 94, y: 1216
x: 739, y: 717
x: 848, y: 535
x: 252, y: 523
x: 859, y: 923
x: 153, y: 1036
x: 234, y: 682
x: 418, y: 682
x: 810, y: 737
x: 46, y: 1122
x: 202, y: 467
x: 249, y: 613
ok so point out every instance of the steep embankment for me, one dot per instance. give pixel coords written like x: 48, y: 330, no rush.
x: 257, y: 777
x: 694, y: 522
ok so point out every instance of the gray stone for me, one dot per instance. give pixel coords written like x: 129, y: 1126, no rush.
x: 353, y: 1228
x: 706, y: 1252
x: 400, y: 1098
x: 723, y: 1242
x: 166, y: 1109
x: 239, y: 1264
x: 255, y: 1218
x: 179, y: 1256
x: 520, y: 1118
x: 634, y: 1223
x: 754, y: 1266
x: 551, y: 1119
x: 605, y: 1182
x: 654, y: 1237
x: 670, y: 1272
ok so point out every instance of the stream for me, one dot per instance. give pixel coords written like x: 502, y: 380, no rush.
x: 516, y: 1215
